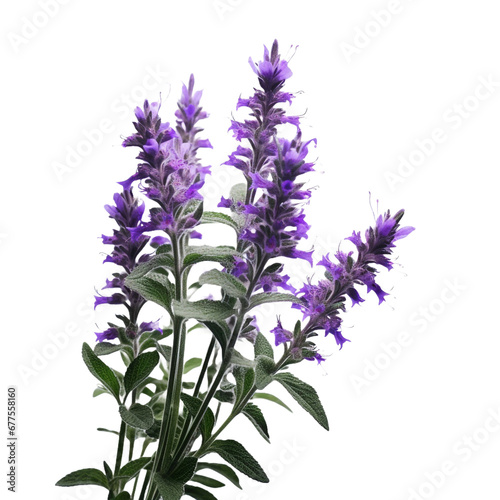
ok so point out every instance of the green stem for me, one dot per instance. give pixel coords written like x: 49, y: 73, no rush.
x: 182, y: 448
x: 172, y: 400
x: 119, y: 453
x: 204, y: 368
x: 238, y: 409
x: 145, y: 485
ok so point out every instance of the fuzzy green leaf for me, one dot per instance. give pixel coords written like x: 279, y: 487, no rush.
x: 137, y: 416
x: 220, y: 331
x: 162, y: 260
x: 244, y: 381
x: 193, y: 405
x: 101, y: 371
x: 271, y: 397
x: 139, y: 370
x: 262, y: 346
x: 254, y: 414
x: 205, y: 253
x: 191, y: 364
x: 305, y: 395
x: 171, y: 487
x: 232, y: 286
x: 84, y: 477
x: 240, y: 360
x: 155, y: 287
x: 222, y: 469
x: 105, y: 348
x: 264, y: 370
x: 263, y: 298
x: 217, y: 217
x: 235, y: 454
x: 203, y: 310
x: 198, y: 493
x: 124, y: 495
x: 207, y: 481
x: 133, y: 468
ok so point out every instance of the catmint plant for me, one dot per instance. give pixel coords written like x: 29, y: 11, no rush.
x: 169, y: 426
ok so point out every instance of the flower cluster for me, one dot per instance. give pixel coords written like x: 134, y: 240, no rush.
x: 170, y: 172
x: 274, y: 221
x: 323, y: 301
x: 127, y: 212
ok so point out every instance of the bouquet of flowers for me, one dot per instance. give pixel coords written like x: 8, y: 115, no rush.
x: 158, y: 256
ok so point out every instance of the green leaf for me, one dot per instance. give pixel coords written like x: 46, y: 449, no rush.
x: 124, y: 495
x: 161, y: 260
x: 203, y: 310
x: 100, y: 390
x: 207, y: 481
x: 263, y: 298
x: 240, y: 360
x: 148, y: 340
x: 262, y: 346
x: 133, y: 468
x: 191, y: 364
x: 101, y: 371
x: 198, y: 493
x: 226, y: 394
x: 244, y: 381
x: 139, y: 370
x: 232, y: 286
x: 238, y: 192
x: 271, y: 397
x: 255, y: 416
x: 104, y: 348
x: 264, y: 370
x: 138, y: 416
x: 235, y: 454
x: 154, y: 430
x: 305, y: 395
x: 165, y: 351
x: 155, y: 287
x: 171, y: 487
x: 205, y: 253
x: 102, y: 429
x: 221, y: 332
x: 84, y: 477
x: 217, y: 217
x: 108, y: 471
x: 193, y: 405
x: 168, y: 487
x: 223, y: 470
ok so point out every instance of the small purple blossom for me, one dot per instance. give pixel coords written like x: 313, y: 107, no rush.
x: 280, y: 334
x: 109, y: 334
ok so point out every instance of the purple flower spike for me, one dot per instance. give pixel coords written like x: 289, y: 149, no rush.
x: 324, y: 301
x: 170, y: 172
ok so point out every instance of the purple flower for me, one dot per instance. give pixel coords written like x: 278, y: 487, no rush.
x: 275, y: 221
x: 316, y: 356
x: 323, y: 301
x: 272, y: 71
x: 280, y: 334
x: 170, y: 172
x: 116, y: 298
x: 128, y: 243
x: 149, y: 326
x: 109, y: 334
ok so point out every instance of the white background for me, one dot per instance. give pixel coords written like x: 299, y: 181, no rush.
x: 367, y: 99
